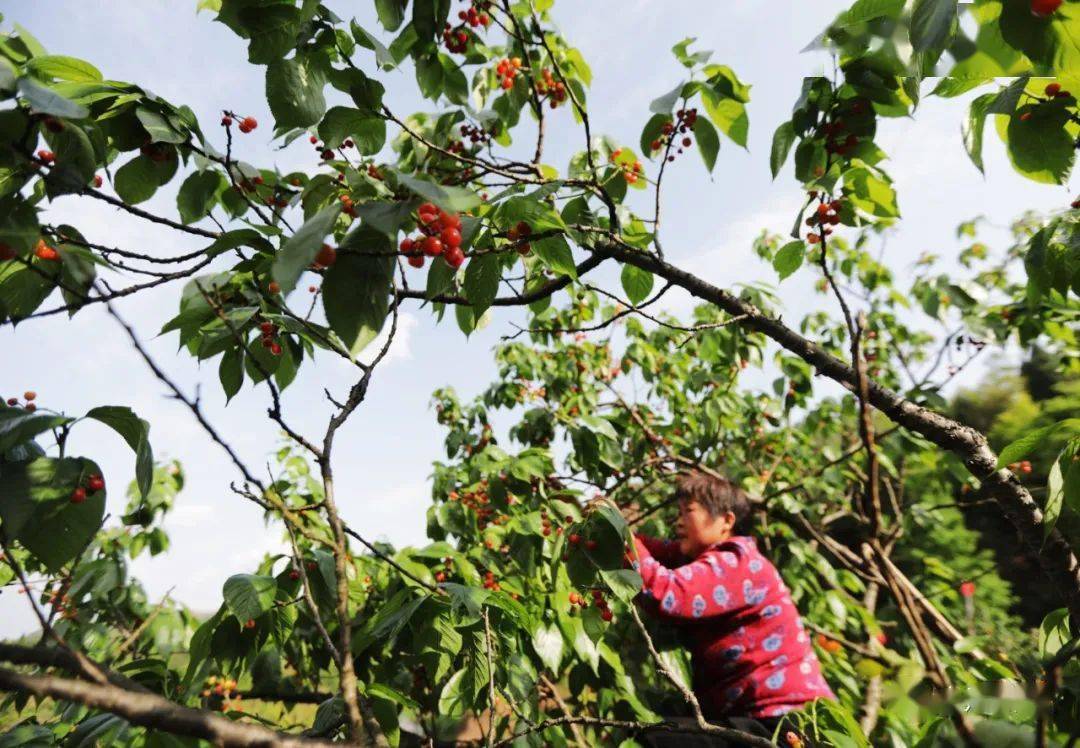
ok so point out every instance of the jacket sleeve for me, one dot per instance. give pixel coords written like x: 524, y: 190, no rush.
x: 666, y: 552
x: 716, y: 583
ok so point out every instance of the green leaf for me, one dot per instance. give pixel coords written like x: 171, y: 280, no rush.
x: 723, y: 82
x: 455, y: 699
x: 974, y: 126
x: 356, y: 289
x: 387, y: 217
x: 159, y: 128
x: 931, y: 23
x: 63, y: 67
x: 294, y: 90
x: 36, y: 507
x: 1006, y: 99
x: 481, y: 284
x: 665, y: 103
x: 625, y: 583
x: 391, y: 13
x: 1029, y: 442
x: 199, y: 194
x: 868, y: 10
x: 449, y: 198
x: 708, y: 142
x: 548, y: 643
x: 637, y: 283
x: 1055, y: 498
x: 299, y: 250
x: 1040, y: 148
x: 729, y: 115
x: 248, y: 596
x: 367, y: 131
x: 18, y: 425
x: 383, y: 58
x: 272, y: 30
x: 789, y: 258
x: 555, y: 253
x: 871, y: 192
x: 652, y: 131
x: 783, y: 139
x: 138, y: 179
x: 136, y: 432
x: 231, y: 372
x: 44, y: 100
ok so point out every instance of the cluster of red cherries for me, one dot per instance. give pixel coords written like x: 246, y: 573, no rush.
x: 269, y: 337
x: 440, y: 236
x: 475, y: 134
x: 685, y: 119
x: 93, y: 484
x: 247, y: 124
x: 835, y: 139
x: 507, y: 70
x: 555, y: 90
x: 598, y: 601
x: 29, y: 396
x: 824, y: 218
x: 631, y: 172
x: 457, y: 37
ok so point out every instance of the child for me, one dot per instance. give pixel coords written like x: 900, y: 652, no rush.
x: 751, y: 655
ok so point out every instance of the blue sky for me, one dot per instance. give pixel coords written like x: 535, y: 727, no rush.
x: 385, y: 452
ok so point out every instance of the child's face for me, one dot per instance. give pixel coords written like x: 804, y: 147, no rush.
x: 698, y: 529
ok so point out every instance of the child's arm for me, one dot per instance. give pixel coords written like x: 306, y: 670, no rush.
x: 717, y: 583
x: 666, y: 552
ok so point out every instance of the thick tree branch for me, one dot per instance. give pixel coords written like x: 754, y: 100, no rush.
x: 1055, y: 555
x: 150, y: 710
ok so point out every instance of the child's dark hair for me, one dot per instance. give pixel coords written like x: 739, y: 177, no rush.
x: 716, y: 494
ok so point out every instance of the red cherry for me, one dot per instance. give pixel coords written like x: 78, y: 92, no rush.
x: 655, y: 145
x: 686, y: 142
x: 294, y: 574
x: 590, y: 544
x: 43, y: 252
x: 95, y: 483
x: 7, y: 252
x: 78, y: 496
x: 451, y: 237
x: 433, y: 246
x: 427, y: 208
x: 98, y: 181
x: 250, y: 624
x: 327, y: 256
x: 250, y: 123
x: 440, y: 577
x: 417, y: 261
x: 1044, y: 8
x: 327, y: 155
x: 13, y: 401
x: 427, y: 218
x: 606, y: 615
x: 313, y: 140
x: 275, y: 349
x: 574, y: 539
x: 967, y: 589
x: 406, y: 245
x: 267, y: 328
x: 1052, y: 89
x: 450, y: 220
x: 226, y: 121
x: 454, y: 257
